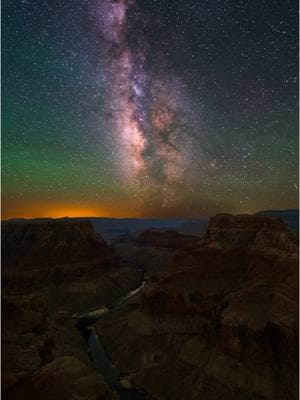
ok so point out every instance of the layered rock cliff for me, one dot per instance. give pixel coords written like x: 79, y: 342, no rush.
x: 52, y: 269
x: 47, y: 250
x: 220, y: 319
x: 249, y: 232
x: 220, y: 322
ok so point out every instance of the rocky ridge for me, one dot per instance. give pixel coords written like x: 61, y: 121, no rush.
x: 255, y: 233
x: 220, y: 322
x: 52, y: 269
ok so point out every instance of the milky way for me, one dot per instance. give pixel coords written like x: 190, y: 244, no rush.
x: 149, y: 108
x: 147, y: 112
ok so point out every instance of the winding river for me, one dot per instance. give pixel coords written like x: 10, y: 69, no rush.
x: 97, y: 353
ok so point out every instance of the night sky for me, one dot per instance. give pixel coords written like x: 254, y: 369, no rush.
x: 149, y: 108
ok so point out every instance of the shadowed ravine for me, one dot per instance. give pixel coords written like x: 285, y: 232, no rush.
x: 97, y: 353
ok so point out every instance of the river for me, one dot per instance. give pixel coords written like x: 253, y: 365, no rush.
x: 97, y: 353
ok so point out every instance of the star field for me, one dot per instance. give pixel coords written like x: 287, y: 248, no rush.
x: 149, y: 108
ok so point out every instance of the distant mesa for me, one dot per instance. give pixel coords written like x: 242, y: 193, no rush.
x: 113, y: 228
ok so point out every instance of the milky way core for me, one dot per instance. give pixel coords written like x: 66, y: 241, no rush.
x: 147, y: 111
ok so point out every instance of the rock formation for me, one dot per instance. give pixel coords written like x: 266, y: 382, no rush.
x: 64, y: 378
x: 52, y: 269
x: 257, y: 233
x: 51, y: 250
x: 220, y: 319
x: 220, y: 322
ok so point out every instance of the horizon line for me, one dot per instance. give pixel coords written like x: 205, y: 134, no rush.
x: 148, y: 218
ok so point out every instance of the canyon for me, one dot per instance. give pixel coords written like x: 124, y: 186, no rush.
x: 178, y: 316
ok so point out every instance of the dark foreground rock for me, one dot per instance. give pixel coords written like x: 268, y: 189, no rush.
x: 51, y: 270
x: 62, y: 379
x: 51, y: 251
x: 221, y: 322
x: 219, y: 319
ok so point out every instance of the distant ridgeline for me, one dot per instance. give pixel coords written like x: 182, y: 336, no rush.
x: 289, y: 217
x: 112, y: 228
x: 115, y: 228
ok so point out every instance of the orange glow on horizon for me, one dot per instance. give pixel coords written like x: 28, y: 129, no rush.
x: 51, y: 210
x: 72, y: 212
